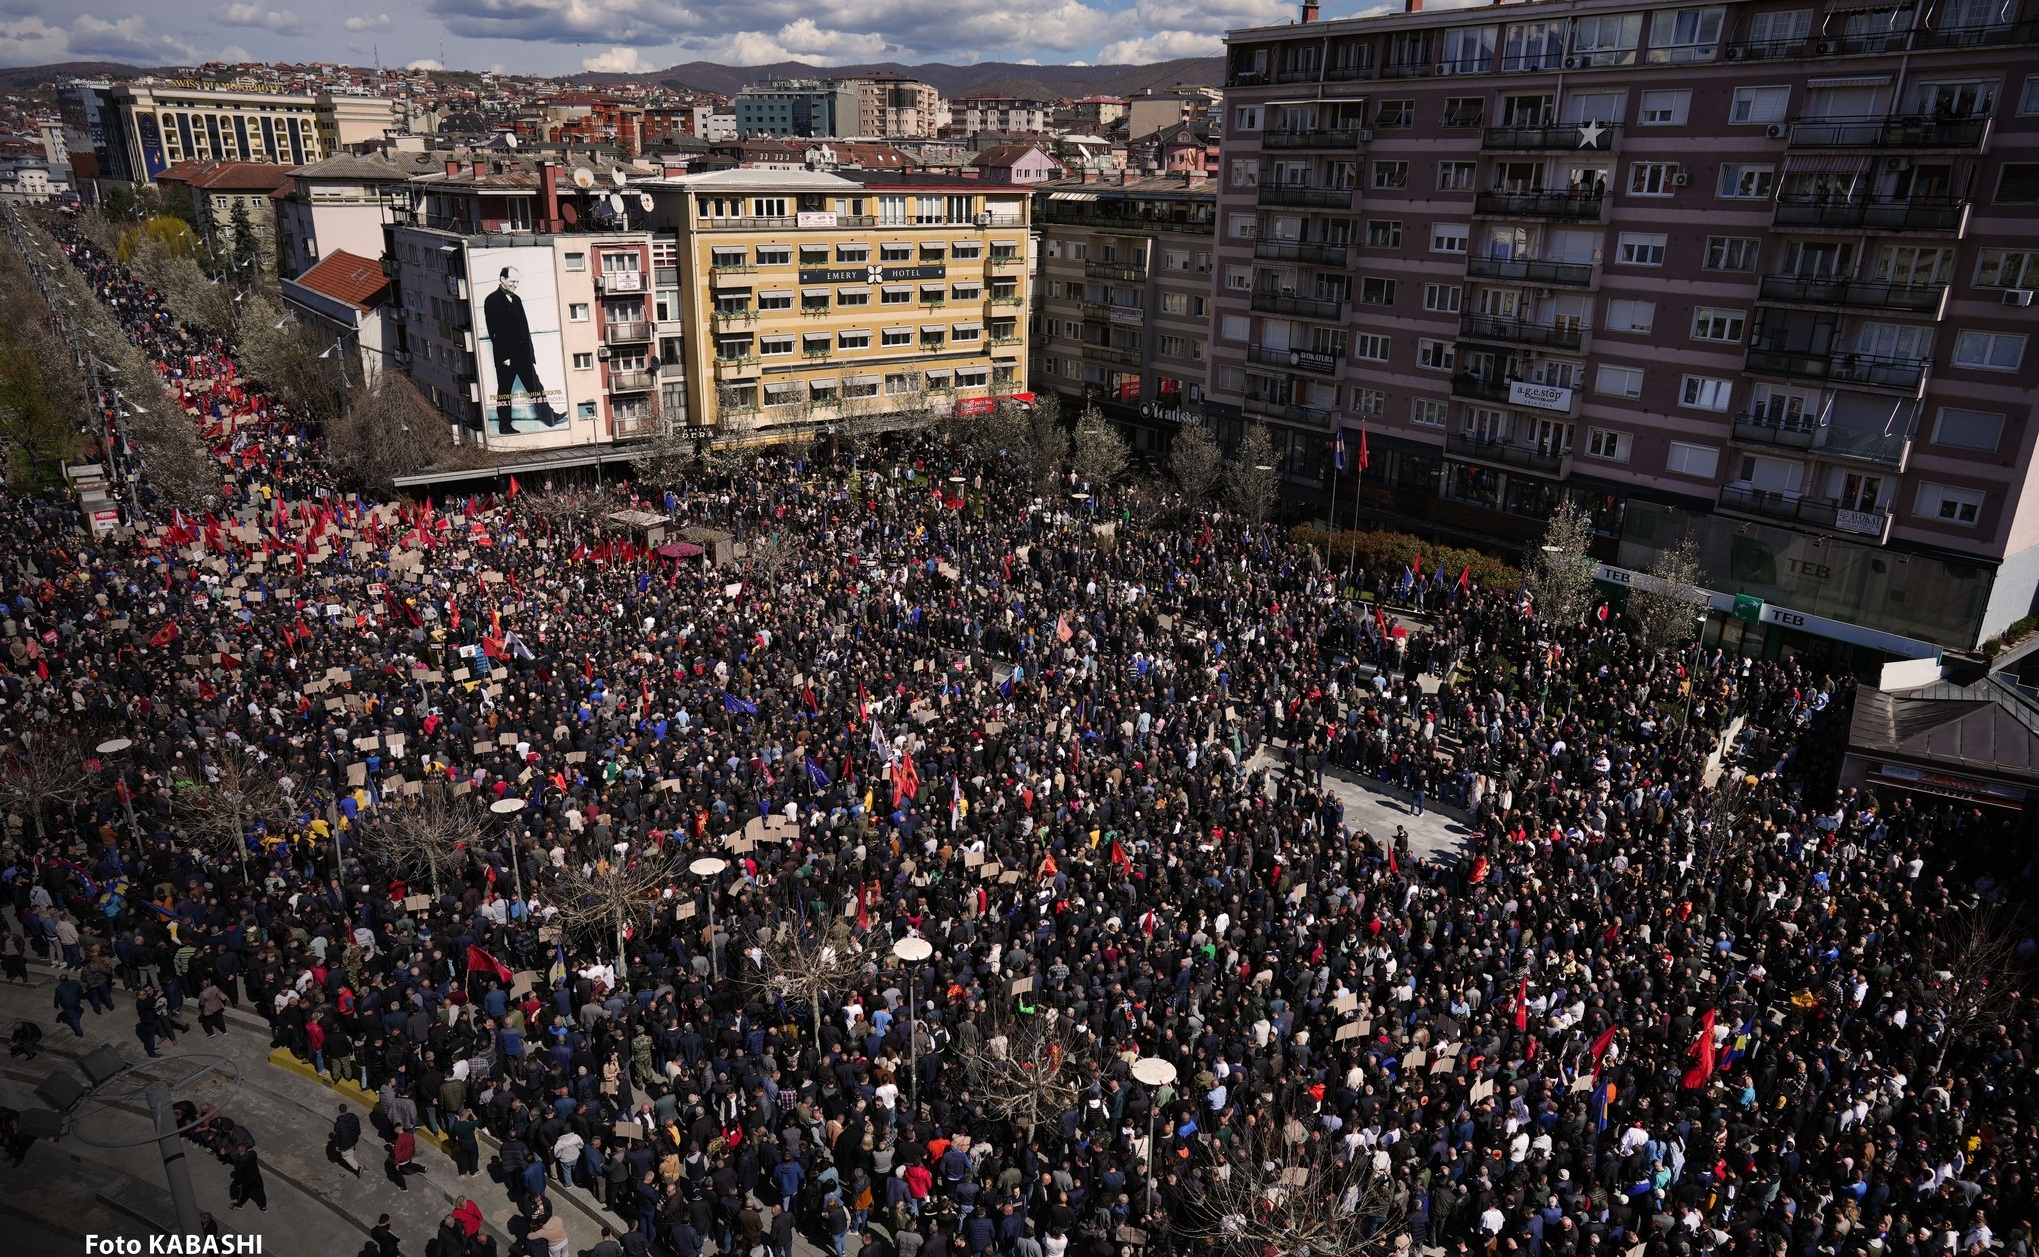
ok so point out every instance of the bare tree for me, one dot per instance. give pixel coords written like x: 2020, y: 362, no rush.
x: 1039, y: 441
x: 434, y: 842
x: 1976, y: 976
x: 1033, y: 1067
x: 1281, y: 1189
x: 38, y: 775
x: 239, y: 793
x: 594, y: 900
x: 1100, y: 454
x: 566, y: 509
x: 792, y: 963
x: 662, y: 451
x: 282, y: 353
x: 388, y: 430
x: 1665, y: 614
x: 1197, y: 463
x: 1560, y: 575
x: 1255, y: 481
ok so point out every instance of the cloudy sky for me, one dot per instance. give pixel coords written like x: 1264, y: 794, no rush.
x: 563, y: 36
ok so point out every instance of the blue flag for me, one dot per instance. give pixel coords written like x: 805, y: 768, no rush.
x: 557, y: 973
x: 738, y: 706
x: 815, y: 776
x: 1338, y: 449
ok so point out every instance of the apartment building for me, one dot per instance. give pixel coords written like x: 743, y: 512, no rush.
x: 970, y: 114
x: 813, y: 300
x: 532, y: 316
x: 1758, y: 273
x: 220, y: 188
x: 897, y: 108
x: 1122, y: 299
x: 338, y: 204
x: 147, y: 129
x: 803, y: 107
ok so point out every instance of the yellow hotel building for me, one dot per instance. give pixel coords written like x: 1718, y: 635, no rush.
x: 815, y: 300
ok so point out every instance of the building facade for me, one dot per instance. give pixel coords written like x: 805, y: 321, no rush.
x: 1757, y: 273
x: 147, y: 129
x: 970, y: 114
x: 1123, y: 292
x: 802, y: 107
x: 337, y: 203
x: 815, y: 301
x: 897, y: 108
x: 219, y: 189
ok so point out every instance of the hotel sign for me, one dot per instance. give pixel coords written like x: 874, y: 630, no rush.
x: 873, y: 274
x: 1540, y: 396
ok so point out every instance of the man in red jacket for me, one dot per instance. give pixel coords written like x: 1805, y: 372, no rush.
x: 401, y: 1154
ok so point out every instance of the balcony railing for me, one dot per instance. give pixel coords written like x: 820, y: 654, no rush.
x: 1530, y: 271
x: 1896, y: 131
x: 1521, y: 331
x: 1822, y: 213
x: 1818, y: 512
x: 630, y: 381
x: 1293, y: 359
x: 1289, y: 303
x: 1980, y: 35
x: 1801, y: 433
x: 1318, y: 138
x: 1479, y: 388
x: 1304, y: 197
x: 1506, y: 453
x: 1905, y: 375
x: 1299, y: 251
x: 620, y: 281
x: 1111, y: 353
x: 1348, y: 73
x: 625, y: 331
x: 1563, y: 205
x: 1872, y: 294
x: 1766, y: 50
x: 1597, y: 137
x: 1116, y: 270
x: 1305, y: 416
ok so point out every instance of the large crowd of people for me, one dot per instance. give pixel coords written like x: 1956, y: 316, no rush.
x: 1647, y: 1009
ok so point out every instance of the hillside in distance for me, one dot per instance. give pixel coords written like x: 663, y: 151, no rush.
x: 1033, y: 82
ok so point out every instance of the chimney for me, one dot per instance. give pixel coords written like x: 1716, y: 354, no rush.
x: 674, y: 170
x: 452, y: 166
x: 1412, y: 6
x: 1309, y: 10
x: 480, y: 167
x: 548, y: 194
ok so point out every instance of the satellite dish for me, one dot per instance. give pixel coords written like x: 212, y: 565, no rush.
x: 619, y: 177
x: 570, y: 213
x: 616, y: 203
x: 509, y: 139
x: 644, y: 201
x: 583, y: 178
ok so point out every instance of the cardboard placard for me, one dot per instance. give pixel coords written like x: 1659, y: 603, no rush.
x: 990, y: 870
x: 629, y: 1130
x: 1021, y: 986
x: 368, y: 744
x: 483, y: 748
x: 576, y: 757
x: 357, y: 774
x: 973, y: 859
x: 1009, y: 878
x: 506, y: 739
x: 1482, y: 1090
x: 1416, y: 1059
x: 417, y: 903
x: 1264, y: 977
x: 522, y: 983
x: 1584, y: 1082
x: 1350, y: 1030
x: 686, y: 911
x: 1443, y: 1065
x: 1345, y: 1004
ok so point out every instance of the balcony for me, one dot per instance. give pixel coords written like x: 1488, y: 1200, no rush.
x: 1508, y: 454
x: 1906, y: 131
x: 730, y: 264
x: 1800, y: 433
x: 1766, y: 50
x: 1112, y: 354
x: 1324, y: 139
x: 1116, y: 270
x: 1818, y: 512
x: 1304, y: 197
x: 1293, y: 359
x: 1521, y: 332
x: 733, y: 318
x: 1597, y: 137
x: 1006, y: 298
x: 1531, y: 271
x: 1302, y: 416
x: 626, y: 331
x: 620, y: 281
x: 1299, y: 251
x: 1979, y: 35
x: 1479, y: 388
x: 1129, y: 316
x: 1004, y: 259
x: 1821, y: 213
x: 1901, y: 375
x: 1352, y: 73
x: 736, y: 368
x: 1929, y: 299
x: 630, y: 381
x: 1290, y: 303
x: 1558, y: 205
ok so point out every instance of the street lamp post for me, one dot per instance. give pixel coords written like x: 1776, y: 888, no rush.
x: 913, y: 950
x: 109, y: 749
x: 506, y: 808
x: 708, y: 868
x: 1152, y: 1072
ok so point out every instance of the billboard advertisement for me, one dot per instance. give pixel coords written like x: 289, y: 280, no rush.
x: 521, y: 359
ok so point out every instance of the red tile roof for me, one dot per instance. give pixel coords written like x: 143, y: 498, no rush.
x: 348, y: 277
x: 228, y: 176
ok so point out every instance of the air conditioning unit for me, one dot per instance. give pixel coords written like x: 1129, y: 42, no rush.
x: 1896, y: 164
x: 1679, y: 179
x: 1826, y: 48
x: 1575, y: 63
x: 1543, y: 294
x: 1734, y: 54
x: 984, y: 220
x: 1366, y: 135
x: 603, y: 353
x: 2017, y: 296
x: 1776, y: 130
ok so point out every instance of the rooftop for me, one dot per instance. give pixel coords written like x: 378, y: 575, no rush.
x: 228, y: 176
x: 348, y: 277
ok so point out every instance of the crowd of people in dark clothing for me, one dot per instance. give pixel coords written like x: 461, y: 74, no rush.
x: 1676, y: 994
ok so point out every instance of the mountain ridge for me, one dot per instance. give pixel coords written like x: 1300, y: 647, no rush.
x: 1012, y: 78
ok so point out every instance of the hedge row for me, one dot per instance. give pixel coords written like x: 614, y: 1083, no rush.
x: 1377, y: 550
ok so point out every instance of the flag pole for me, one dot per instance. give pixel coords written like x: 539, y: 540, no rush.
x: 1331, y: 515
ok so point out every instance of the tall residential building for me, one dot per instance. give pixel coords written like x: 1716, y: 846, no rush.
x: 1755, y: 273
x: 146, y: 129
x: 339, y: 204
x: 1122, y: 306
x: 814, y: 300
x: 970, y: 114
x: 802, y: 107
x: 897, y: 108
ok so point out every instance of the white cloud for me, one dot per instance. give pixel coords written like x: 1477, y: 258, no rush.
x: 618, y: 60
x: 1160, y: 46
x: 380, y: 22
x: 280, y: 21
x: 32, y: 41
x: 127, y: 39
x: 234, y: 54
x: 425, y: 63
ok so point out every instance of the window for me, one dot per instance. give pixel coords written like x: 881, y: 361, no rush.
x: 1747, y: 182
x: 584, y: 362
x: 1449, y: 238
x: 2028, y: 97
x: 1396, y: 113
x: 814, y: 255
x: 1239, y: 278
x: 1989, y: 351
x: 1731, y: 253
x: 852, y: 297
x: 1384, y: 233
x: 1778, y: 34
x: 1427, y: 412
x: 768, y: 207
x: 1968, y: 430
x: 2018, y: 184
x: 1246, y: 118
x: 853, y: 253
x: 966, y: 251
x: 1232, y: 379
x: 1760, y: 105
x: 972, y: 377
x: 576, y: 261
x: 768, y: 255
x: 1245, y: 172
x: 855, y: 338
x: 1456, y: 176
x: 895, y: 295
x: 1175, y: 303
x: 775, y: 345
x: 1724, y: 326
x: 1617, y: 381
x: 1607, y: 40
x: 1685, y: 459
x: 780, y: 300
x: 1664, y: 107
x: 1375, y: 291
x: 1435, y: 355
x: 1651, y: 178
x: 1702, y: 392
x: 1685, y: 36
x: 1469, y: 49
x: 1235, y: 327
x: 1640, y: 249
x: 2004, y: 268
x: 1242, y: 226
x: 1948, y: 504
x: 895, y: 253
x: 1199, y: 306
x: 1173, y: 346
x: 1368, y: 403
x: 965, y: 332
x: 1634, y: 317
x: 1464, y: 111
x: 577, y: 312
x: 1442, y: 298
x: 1390, y: 174
x: 666, y: 305
x: 892, y: 337
x: 782, y: 393
x: 1370, y: 347
x: 1608, y: 444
